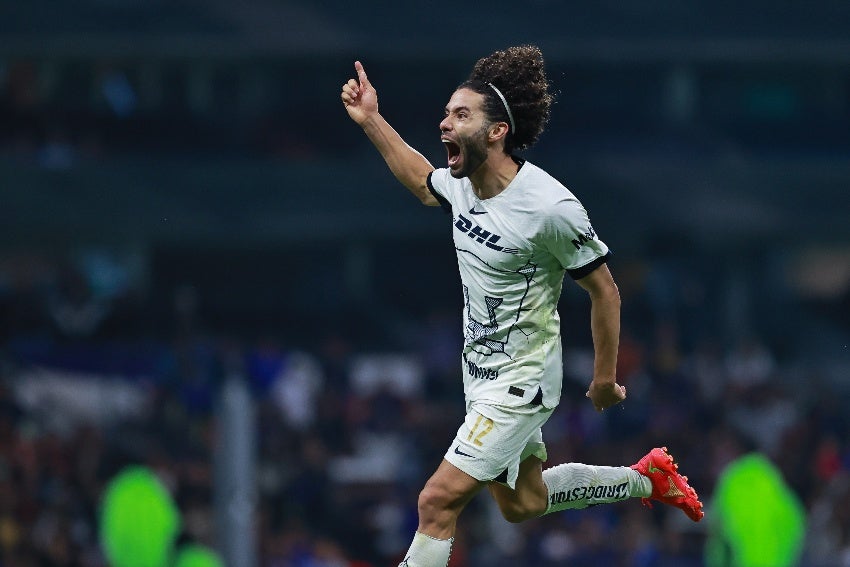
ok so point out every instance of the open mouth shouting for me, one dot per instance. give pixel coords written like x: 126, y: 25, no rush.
x: 454, y: 153
x: 466, y: 153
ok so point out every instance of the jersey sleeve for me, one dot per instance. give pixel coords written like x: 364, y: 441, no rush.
x: 438, y: 182
x: 569, y: 237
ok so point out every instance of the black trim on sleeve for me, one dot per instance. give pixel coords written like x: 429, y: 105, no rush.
x: 538, y: 399
x: 579, y: 273
x: 444, y: 203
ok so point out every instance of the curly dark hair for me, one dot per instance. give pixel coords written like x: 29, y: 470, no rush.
x: 518, y: 72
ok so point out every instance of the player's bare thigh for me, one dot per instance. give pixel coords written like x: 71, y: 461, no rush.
x: 529, y: 498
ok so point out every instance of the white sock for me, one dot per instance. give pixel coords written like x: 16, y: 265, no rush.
x: 426, y: 551
x: 576, y: 485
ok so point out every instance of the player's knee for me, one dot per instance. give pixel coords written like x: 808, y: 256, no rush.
x: 433, y: 501
x: 515, y: 515
x: 516, y: 512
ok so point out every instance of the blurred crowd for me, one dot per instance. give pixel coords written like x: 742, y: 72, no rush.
x: 349, y: 429
x: 60, y: 113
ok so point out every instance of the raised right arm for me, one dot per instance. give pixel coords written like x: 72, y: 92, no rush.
x: 409, y: 166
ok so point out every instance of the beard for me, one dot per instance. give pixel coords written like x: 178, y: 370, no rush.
x: 473, y: 149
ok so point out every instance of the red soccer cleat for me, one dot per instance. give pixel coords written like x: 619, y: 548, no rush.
x: 668, y: 486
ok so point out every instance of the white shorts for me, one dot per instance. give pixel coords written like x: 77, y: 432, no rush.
x: 494, y: 440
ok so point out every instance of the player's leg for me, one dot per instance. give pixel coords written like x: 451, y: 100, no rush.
x: 571, y: 486
x: 567, y: 486
x: 577, y: 485
x: 529, y: 497
x: 441, y: 501
x: 489, y: 445
x: 445, y: 494
x: 654, y: 477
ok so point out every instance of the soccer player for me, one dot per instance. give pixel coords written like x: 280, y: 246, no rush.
x: 516, y: 231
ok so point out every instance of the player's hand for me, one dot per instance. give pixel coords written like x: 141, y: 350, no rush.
x: 605, y: 394
x: 359, y: 96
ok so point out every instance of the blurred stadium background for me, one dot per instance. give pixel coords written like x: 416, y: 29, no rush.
x: 206, y: 270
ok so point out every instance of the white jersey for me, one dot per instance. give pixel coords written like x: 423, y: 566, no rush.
x: 512, y: 252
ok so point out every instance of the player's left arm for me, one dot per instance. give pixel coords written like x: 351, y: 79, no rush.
x: 604, y: 391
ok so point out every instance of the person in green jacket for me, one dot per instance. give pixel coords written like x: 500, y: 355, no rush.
x: 756, y: 519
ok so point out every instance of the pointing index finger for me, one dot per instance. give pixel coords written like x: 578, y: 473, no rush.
x: 361, y: 73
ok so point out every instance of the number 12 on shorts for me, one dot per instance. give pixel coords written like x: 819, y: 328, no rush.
x: 483, y: 426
